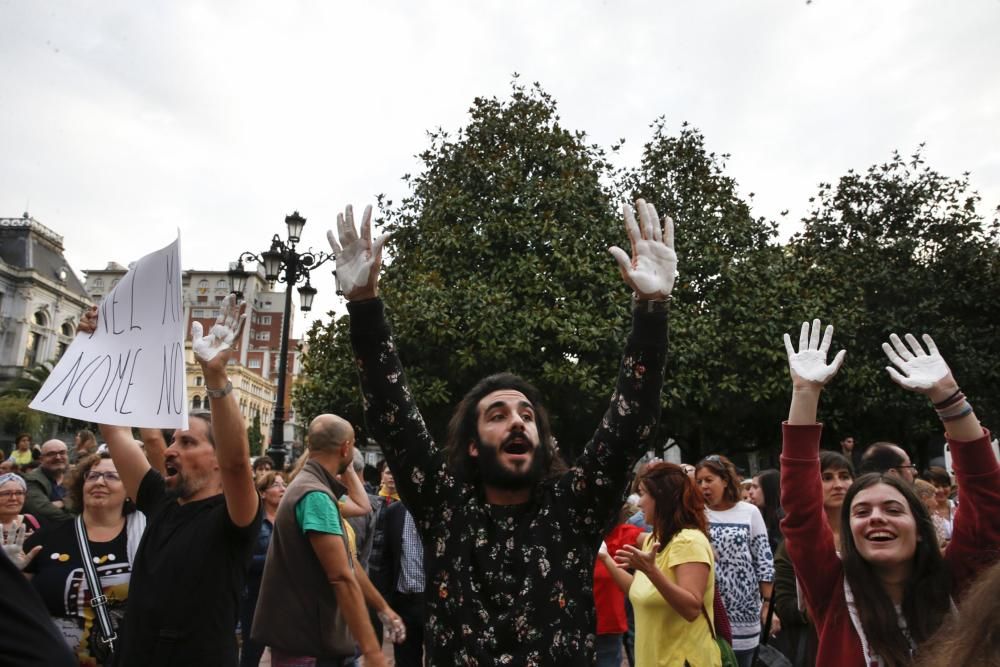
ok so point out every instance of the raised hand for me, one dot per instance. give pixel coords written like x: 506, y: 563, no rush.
x: 13, y: 545
x: 88, y: 321
x: 652, y: 268
x: 358, y: 259
x: 218, y: 343
x: 922, y: 372
x: 808, y: 366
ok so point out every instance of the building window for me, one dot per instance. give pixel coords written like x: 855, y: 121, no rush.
x: 263, y: 335
x: 203, y: 284
x: 265, y: 319
x: 220, y: 297
x: 31, y: 350
x: 253, y: 363
x: 196, y: 403
x: 67, y: 329
x: 202, y: 298
x: 40, y: 319
x: 61, y: 350
x: 114, y: 283
x: 222, y: 284
x: 99, y: 283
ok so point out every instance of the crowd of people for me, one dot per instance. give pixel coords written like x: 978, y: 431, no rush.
x: 490, y: 549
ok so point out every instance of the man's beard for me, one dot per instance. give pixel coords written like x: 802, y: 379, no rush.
x: 497, y: 475
x: 186, y: 487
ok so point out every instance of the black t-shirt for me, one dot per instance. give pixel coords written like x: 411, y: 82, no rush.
x: 61, y: 581
x: 186, y: 581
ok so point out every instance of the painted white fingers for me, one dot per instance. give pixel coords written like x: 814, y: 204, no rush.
x: 809, y: 362
x: 915, y: 369
x: 223, y: 332
x: 651, y: 270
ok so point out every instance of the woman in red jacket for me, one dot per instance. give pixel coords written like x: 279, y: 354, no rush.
x: 892, y: 589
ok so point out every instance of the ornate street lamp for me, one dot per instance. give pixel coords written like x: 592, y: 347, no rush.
x: 282, y: 263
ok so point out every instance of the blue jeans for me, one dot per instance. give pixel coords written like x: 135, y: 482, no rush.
x: 609, y: 650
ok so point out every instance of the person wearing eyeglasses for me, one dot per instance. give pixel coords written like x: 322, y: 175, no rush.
x: 46, y: 492
x: 113, y: 528
x: 13, y: 491
x: 271, y: 487
x: 888, y: 458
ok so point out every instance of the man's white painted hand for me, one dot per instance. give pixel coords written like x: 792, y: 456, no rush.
x: 652, y: 268
x: 358, y: 258
x: 223, y: 331
x: 809, y: 365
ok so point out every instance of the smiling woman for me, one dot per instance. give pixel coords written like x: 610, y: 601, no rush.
x: 113, y: 529
x: 891, y: 590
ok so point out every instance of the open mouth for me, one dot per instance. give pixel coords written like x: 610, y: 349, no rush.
x: 517, y: 445
x: 170, y: 469
x: 879, y: 536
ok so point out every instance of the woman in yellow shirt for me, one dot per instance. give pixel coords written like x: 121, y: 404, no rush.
x: 674, y: 581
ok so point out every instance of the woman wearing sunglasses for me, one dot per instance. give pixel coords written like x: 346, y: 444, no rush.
x: 113, y: 529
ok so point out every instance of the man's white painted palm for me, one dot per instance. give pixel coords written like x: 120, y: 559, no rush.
x: 358, y: 258
x: 809, y: 363
x: 223, y: 331
x: 652, y: 268
x: 920, y: 370
x: 13, y: 546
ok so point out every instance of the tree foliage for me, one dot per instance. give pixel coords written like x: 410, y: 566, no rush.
x: 901, y: 248
x: 498, y: 262
x: 724, y: 368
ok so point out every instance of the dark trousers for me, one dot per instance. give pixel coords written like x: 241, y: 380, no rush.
x: 410, y: 607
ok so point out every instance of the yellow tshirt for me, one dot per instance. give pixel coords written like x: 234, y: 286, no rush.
x: 662, y: 636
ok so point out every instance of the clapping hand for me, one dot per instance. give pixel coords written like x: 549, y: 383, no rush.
x: 13, y: 545
x: 922, y: 372
x: 358, y: 258
x: 808, y: 366
x: 652, y: 268
x: 636, y: 559
x: 218, y: 343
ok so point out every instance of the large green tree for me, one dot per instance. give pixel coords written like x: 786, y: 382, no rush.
x: 724, y: 370
x: 901, y: 248
x: 498, y: 263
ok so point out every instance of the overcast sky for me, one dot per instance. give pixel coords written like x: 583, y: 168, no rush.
x: 123, y: 121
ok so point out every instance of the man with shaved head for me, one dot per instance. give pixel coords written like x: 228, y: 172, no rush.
x: 312, y: 597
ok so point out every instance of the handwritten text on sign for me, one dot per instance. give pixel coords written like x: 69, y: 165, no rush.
x: 130, y: 372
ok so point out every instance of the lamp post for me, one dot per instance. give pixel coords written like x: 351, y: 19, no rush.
x: 282, y: 263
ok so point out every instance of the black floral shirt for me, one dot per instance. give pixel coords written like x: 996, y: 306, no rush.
x: 509, y: 585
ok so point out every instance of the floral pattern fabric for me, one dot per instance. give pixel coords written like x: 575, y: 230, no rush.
x: 509, y: 585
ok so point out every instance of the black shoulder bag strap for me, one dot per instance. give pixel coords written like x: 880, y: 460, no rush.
x: 97, y: 598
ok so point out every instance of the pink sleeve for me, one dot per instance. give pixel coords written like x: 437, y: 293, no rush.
x: 808, y: 537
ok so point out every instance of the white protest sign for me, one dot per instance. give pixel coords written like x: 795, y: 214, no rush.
x: 130, y: 371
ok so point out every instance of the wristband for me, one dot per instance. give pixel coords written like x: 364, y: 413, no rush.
x: 650, y: 305
x: 219, y: 393
x: 963, y: 413
x: 954, y: 398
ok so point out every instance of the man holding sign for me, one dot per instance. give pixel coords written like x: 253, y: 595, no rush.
x: 204, y: 516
